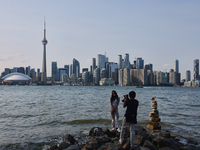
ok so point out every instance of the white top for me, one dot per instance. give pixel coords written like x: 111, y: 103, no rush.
x: 114, y: 103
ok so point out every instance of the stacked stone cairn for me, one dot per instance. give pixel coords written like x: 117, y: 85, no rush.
x: 154, y: 116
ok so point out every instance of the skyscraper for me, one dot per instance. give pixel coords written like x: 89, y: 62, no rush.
x: 96, y: 77
x: 54, y: 71
x: 67, y: 69
x: 100, y: 61
x: 70, y: 70
x: 93, y: 64
x: 126, y: 61
x: 44, y: 71
x: 148, y: 67
x: 28, y: 70
x: 139, y: 63
x: 172, y: 77
x: 119, y: 61
x: 187, y: 78
x: 196, y: 69
x: 176, y: 66
x: 75, y: 67
x: 126, y: 76
x: 85, y: 77
x: 120, y: 77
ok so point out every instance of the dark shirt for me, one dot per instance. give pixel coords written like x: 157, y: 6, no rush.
x: 131, y: 111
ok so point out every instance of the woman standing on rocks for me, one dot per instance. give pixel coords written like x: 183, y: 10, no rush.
x: 114, y: 102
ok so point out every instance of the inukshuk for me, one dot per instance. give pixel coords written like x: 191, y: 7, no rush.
x: 154, y: 116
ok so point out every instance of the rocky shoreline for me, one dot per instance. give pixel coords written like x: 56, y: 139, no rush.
x: 104, y: 139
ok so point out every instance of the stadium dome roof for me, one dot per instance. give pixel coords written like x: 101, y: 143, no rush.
x: 16, y: 76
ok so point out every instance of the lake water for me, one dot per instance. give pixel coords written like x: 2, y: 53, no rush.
x: 33, y: 117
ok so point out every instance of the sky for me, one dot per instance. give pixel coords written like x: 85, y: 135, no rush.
x: 158, y: 31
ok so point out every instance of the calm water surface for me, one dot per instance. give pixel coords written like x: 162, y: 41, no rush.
x: 34, y: 117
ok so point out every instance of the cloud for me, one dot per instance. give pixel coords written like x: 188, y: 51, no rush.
x: 18, y: 55
x: 89, y: 60
x: 166, y: 65
x: 7, y: 57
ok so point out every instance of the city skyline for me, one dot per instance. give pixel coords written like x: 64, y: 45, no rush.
x: 159, y: 32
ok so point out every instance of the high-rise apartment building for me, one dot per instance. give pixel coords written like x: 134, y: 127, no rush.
x: 54, y: 71
x: 120, y: 76
x: 176, y: 66
x: 126, y: 76
x: 70, y: 70
x: 159, y: 79
x: 38, y: 75
x: 103, y: 73
x: 134, y: 64
x: 96, y: 76
x: 139, y: 63
x: 172, y: 77
x: 64, y: 77
x: 138, y: 76
x: 76, y: 67
x: 73, y: 79
x: 150, y: 80
x: 148, y: 67
x: 15, y: 69
x: 84, y: 69
x: 196, y: 69
x: 61, y: 72
x: 28, y: 69
x: 116, y: 76
x: 119, y: 61
x: 85, y: 77
x: 7, y: 71
x: 93, y: 64
x: 21, y: 70
x: 188, y: 76
x: 100, y: 61
x: 126, y: 61
x: 67, y: 69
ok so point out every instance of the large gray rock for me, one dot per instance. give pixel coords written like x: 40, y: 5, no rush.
x: 96, y: 131
x: 69, y: 138
x: 143, y: 148
x: 142, y: 133
x: 165, y: 134
x: 111, y: 133
x: 139, y: 140
x: 72, y: 147
x: 126, y: 145
x: 150, y: 137
x: 165, y: 148
x: 139, y: 128
x: 104, y: 139
x: 112, y: 146
x: 189, y: 147
x: 159, y: 141
x: 54, y: 147
x: 94, y: 143
x: 116, y: 139
x: 149, y: 145
x: 91, y: 144
x: 63, y: 145
x: 169, y: 142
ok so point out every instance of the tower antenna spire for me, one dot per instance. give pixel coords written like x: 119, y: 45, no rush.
x: 44, y: 23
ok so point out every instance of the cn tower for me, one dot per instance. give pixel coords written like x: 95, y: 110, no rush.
x: 44, y: 71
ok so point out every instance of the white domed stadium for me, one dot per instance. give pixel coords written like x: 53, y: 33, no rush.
x: 16, y: 77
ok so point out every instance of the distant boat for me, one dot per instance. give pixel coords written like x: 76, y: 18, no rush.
x: 139, y: 86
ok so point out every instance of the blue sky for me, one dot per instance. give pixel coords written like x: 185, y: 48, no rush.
x: 157, y: 31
